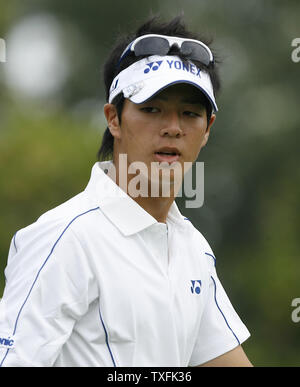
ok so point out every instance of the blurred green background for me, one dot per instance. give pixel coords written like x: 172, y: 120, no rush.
x: 51, y: 123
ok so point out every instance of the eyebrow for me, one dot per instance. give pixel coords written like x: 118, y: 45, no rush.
x: 198, y: 101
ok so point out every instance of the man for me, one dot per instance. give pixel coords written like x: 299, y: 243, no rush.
x: 117, y: 276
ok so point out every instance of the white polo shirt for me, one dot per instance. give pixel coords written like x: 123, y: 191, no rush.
x: 98, y: 281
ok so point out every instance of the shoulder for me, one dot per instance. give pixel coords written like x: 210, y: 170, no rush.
x: 52, y: 234
x: 53, y: 223
x: 200, y: 242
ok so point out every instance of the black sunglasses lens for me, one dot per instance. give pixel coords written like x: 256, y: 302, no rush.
x: 196, y: 52
x: 152, y: 46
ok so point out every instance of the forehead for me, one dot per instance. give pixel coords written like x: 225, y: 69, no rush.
x: 183, y: 92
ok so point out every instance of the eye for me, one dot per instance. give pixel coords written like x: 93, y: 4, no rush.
x: 191, y: 114
x: 149, y: 109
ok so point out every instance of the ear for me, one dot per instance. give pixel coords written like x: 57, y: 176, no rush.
x: 207, y: 132
x: 112, y: 119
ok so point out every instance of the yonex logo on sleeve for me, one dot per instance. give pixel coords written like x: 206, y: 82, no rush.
x: 7, y: 342
x: 196, y: 286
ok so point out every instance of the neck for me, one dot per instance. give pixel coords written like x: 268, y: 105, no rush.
x: 156, y: 207
x: 149, y: 195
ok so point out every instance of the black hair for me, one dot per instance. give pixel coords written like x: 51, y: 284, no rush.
x: 112, y: 67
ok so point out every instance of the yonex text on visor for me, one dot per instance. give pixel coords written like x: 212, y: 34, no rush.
x: 148, y: 76
x: 153, y: 44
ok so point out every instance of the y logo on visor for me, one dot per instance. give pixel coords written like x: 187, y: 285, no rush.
x: 153, y: 66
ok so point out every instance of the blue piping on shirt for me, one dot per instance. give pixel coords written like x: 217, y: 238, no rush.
x: 215, y: 286
x: 30, y: 290
x: 14, y: 240
x: 106, y: 338
x: 214, y: 258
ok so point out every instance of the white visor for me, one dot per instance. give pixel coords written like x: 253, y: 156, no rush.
x: 147, y: 77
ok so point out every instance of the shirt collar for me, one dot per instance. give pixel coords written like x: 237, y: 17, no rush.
x: 128, y: 216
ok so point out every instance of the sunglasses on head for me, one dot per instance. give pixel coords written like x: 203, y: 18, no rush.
x: 153, y: 44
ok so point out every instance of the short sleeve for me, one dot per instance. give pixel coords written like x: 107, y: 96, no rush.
x: 46, y: 292
x: 221, y: 329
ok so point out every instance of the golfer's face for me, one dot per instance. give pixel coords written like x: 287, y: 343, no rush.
x: 171, y: 127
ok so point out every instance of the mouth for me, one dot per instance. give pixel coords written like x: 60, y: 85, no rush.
x: 167, y: 154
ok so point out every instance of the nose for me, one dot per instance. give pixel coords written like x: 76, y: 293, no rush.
x: 171, y: 125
